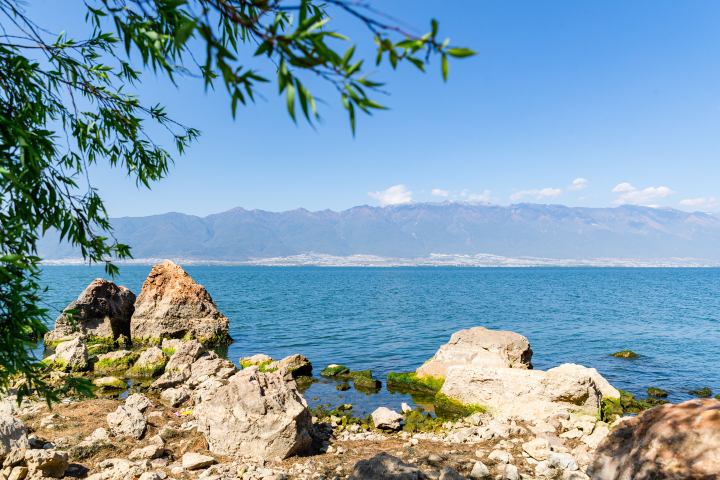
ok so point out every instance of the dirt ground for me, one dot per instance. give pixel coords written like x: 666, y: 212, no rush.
x: 77, y: 421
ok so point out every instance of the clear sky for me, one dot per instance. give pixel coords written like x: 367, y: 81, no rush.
x: 592, y: 103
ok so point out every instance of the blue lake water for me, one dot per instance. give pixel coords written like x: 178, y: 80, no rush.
x: 393, y: 319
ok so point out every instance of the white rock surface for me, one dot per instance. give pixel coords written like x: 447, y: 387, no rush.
x: 13, y: 434
x: 537, y: 449
x: 527, y: 393
x: 46, y: 463
x: 193, y: 461
x: 73, y: 353
x: 383, y: 417
x: 256, y: 414
x: 482, y: 347
x: 127, y: 421
x: 176, y: 396
x: 139, y: 402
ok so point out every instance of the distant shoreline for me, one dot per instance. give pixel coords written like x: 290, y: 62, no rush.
x: 434, y: 260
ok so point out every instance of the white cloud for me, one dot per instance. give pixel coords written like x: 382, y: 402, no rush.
x: 476, y: 197
x: 586, y: 197
x: 578, y: 184
x: 549, y: 192
x: 700, y: 202
x: 393, y: 195
x: 630, y: 194
x: 539, y: 194
x: 464, y: 193
x: 438, y: 193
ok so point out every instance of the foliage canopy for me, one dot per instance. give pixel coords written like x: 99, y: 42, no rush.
x: 63, y: 107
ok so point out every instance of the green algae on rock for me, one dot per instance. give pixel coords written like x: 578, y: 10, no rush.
x: 625, y: 354
x: 342, y: 387
x: 657, y: 392
x: 446, y: 406
x: 654, y: 401
x: 110, y: 383
x: 411, y: 381
x: 704, y: 392
x: 116, y: 361
x: 334, y: 370
x: 150, y: 363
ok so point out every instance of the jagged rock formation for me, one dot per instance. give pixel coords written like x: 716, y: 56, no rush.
x: 172, y: 305
x: 256, y: 413
x: 104, y: 312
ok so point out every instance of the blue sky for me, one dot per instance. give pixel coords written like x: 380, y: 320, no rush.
x: 577, y: 103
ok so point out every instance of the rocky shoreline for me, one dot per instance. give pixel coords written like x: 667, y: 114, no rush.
x: 193, y: 415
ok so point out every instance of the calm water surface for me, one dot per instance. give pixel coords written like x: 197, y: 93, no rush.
x: 393, y: 319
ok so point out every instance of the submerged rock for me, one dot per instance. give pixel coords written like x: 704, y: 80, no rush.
x: 256, y: 413
x: 479, y: 346
x: 172, y: 305
x: 104, y: 312
x: 704, y: 392
x: 666, y: 442
x: 110, y: 383
x: 625, y: 354
x: 258, y: 360
x: 334, y: 370
x: 657, y: 392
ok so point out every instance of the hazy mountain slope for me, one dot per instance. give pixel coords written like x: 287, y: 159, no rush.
x: 416, y: 230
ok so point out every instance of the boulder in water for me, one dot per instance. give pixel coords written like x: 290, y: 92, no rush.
x: 172, y: 305
x: 103, y: 314
x: 528, y: 393
x: 256, y: 414
x: 479, y: 346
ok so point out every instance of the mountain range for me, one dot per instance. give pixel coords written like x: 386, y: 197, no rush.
x: 419, y: 230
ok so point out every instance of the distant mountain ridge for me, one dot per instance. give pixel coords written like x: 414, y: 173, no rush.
x: 418, y: 230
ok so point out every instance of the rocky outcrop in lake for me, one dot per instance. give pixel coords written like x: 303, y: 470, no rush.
x: 103, y: 314
x: 480, y: 347
x: 172, y: 305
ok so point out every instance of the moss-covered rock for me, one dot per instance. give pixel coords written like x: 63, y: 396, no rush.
x: 657, y: 392
x: 717, y: 397
x: 116, y: 361
x: 704, y: 392
x: 342, y: 387
x: 334, y: 371
x: 446, y: 406
x: 610, y: 408
x: 110, y: 383
x: 410, y: 381
x: 416, y: 421
x: 151, y: 363
x: 654, y: 401
x: 260, y: 360
x: 625, y: 354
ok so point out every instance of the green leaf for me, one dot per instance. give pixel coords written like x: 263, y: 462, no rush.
x: 291, y: 100
x: 445, y: 67
x: 460, y: 52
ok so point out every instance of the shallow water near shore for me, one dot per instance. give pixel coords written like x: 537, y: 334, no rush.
x: 394, y: 319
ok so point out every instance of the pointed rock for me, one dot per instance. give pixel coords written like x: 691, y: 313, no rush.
x: 172, y: 305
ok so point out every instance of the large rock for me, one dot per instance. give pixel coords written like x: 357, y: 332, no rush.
x: 383, y: 417
x: 528, y: 393
x: 172, y: 305
x: 665, y: 442
x: 13, y: 434
x: 385, y: 467
x: 256, y: 414
x: 480, y: 347
x: 72, y: 355
x: 603, y: 385
x: 297, y: 364
x: 179, y: 369
x: 127, y: 421
x: 150, y: 363
x: 104, y: 311
x: 46, y: 463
